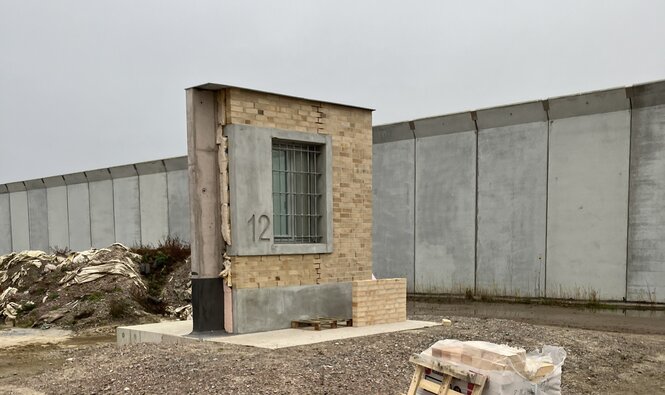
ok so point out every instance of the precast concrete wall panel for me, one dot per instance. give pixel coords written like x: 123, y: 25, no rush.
x: 588, y: 206
x: 18, y: 203
x: 393, y: 210
x: 58, y: 216
x: 101, y: 213
x: 126, y: 210
x: 153, y: 208
x: 178, y: 204
x: 38, y: 219
x: 5, y: 225
x: 78, y: 202
x: 512, y: 196
x: 445, y: 197
x: 646, y: 247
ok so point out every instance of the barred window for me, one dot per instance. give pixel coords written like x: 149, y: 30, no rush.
x: 296, y: 187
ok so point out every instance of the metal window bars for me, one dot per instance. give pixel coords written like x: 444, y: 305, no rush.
x: 296, y: 192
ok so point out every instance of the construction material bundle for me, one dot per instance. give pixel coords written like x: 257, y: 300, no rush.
x: 508, y: 370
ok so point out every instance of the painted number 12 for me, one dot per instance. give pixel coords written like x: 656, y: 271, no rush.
x: 264, y: 221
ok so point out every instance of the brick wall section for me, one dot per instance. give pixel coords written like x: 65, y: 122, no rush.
x: 351, y: 131
x: 379, y: 301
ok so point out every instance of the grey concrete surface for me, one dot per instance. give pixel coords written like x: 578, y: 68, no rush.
x: 393, y: 210
x: 154, y: 208
x: 250, y: 178
x: 58, y: 215
x: 38, y: 219
x: 88, y: 208
x: 127, y: 216
x: 445, y: 198
x: 646, y: 247
x: 5, y: 225
x: 78, y: 201
x: 178, y: 199
x: 101, y: 213
x: 173, y: 332
x: 587, y: 206
x: 264, y: 309
x: 206, y: 234
x: 512, y: 196
x: 18, y: 204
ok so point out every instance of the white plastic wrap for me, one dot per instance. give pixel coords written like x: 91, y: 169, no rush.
x: 508, y: 370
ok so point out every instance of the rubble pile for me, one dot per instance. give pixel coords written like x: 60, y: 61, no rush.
x: 80, y: 289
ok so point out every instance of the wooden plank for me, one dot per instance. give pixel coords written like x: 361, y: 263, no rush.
x: 445, y: 386
x: 449, y: 369
x: 415, y: 381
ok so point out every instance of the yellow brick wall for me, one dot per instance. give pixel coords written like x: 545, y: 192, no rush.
x: 379, y: 301
x: 351, y: 131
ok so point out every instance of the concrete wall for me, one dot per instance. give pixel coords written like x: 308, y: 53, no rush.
x: 570, y: 199
x: 512, y: 188
x: 587, y: 207
x: 135, y: 204
x: 393, y: 208
x: 445, y: 213
x: 646, y: 253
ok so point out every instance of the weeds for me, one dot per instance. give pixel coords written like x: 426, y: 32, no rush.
x: 118, y: 308
x: 157, y: 264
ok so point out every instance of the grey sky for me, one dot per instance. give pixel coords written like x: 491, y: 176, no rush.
x: 89, y: 84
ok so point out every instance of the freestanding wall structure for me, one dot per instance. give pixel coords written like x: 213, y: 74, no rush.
x: 298, y: 176
x: 560, y: 198
x: 97, y: 208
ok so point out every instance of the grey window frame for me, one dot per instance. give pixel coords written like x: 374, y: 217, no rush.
x: 251, y: 191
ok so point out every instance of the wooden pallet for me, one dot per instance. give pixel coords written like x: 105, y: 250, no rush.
x: 320, y: 322
x: 449, y: 371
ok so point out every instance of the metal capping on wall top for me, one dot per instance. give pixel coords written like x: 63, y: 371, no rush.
x: 106, y: 173
x: 602, y: 101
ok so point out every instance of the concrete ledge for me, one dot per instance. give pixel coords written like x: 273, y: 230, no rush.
x: 180, y: 332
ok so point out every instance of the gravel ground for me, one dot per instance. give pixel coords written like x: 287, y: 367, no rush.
x: 599, y: 362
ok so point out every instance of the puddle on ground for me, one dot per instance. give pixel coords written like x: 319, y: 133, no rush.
x: 14, y: 337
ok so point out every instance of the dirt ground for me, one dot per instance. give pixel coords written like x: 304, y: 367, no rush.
x: 599, y: 361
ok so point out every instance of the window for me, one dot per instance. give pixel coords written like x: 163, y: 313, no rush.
x: 297, y: 192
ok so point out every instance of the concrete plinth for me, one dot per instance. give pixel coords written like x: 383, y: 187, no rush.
x: 180, y: 332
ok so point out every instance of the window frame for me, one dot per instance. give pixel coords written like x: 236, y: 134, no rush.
x: 251, y: 190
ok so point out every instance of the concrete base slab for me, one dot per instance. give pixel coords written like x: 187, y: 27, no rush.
x: 180, y: 332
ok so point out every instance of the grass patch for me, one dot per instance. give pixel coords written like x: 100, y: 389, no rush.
x: 94, y: 297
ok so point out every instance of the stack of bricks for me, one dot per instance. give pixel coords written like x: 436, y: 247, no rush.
x: 351, y: 131
x: 379, y: 301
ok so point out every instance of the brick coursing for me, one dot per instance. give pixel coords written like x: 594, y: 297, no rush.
x: 351, y: 131
x: 378, y: 301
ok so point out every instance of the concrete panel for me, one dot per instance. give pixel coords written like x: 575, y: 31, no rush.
x: 264, y: 309
x: 512, y: 200
x: 588, y: 206
x: 78, y: 202
x: 58, y: 216
x: 127, y: 216
x: 393, y: 210
x: 101, y: 213
x: 445, y: 213
x: 5, y: 225
x: 38, y: 219
x: 18, y: 203
x: 178, y: 201
x: 250, y: 179
x: 154, y: 208
x: 646, y: 251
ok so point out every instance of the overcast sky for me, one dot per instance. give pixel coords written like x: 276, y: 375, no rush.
x: 90, y: 84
